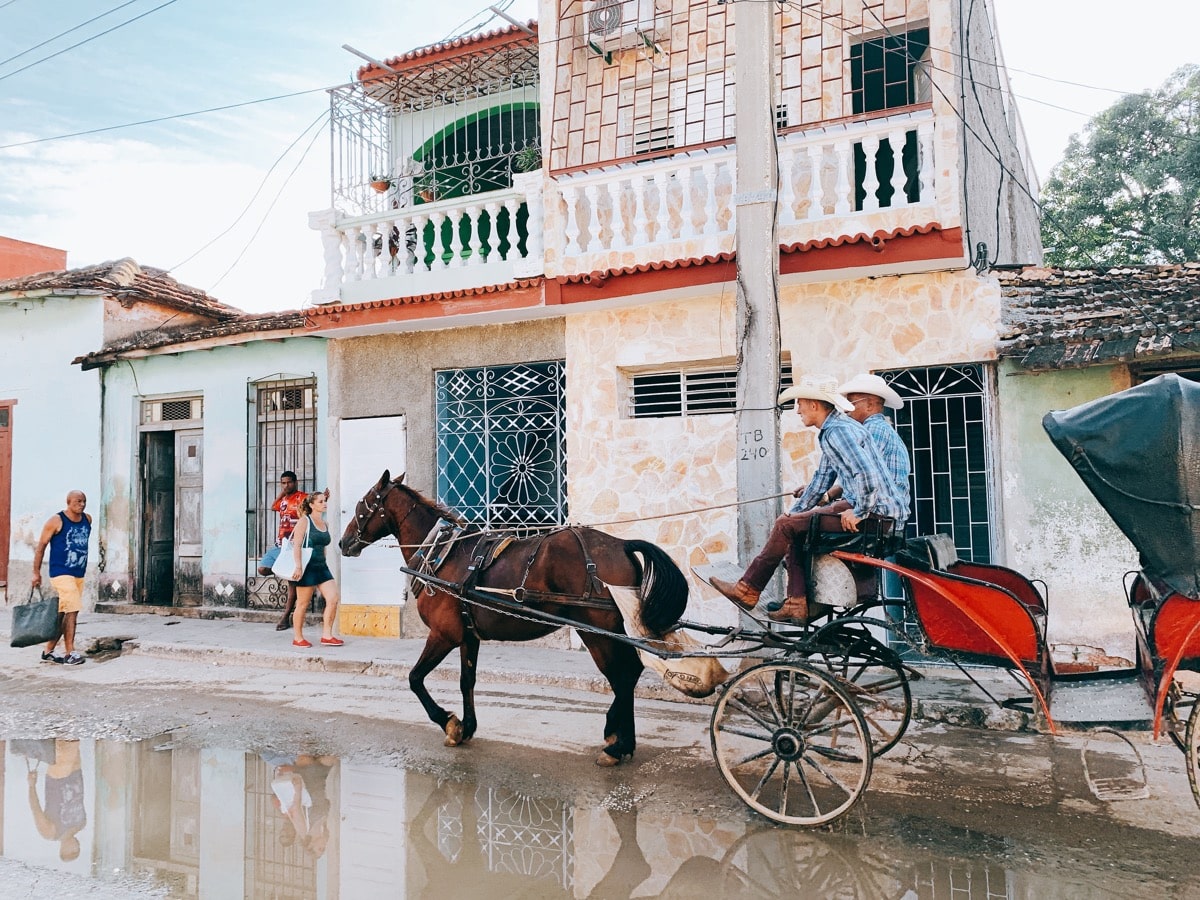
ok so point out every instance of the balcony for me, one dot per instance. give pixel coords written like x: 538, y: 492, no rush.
x: 836, y: 182
x: 682, y: 206
x: 448, y: 245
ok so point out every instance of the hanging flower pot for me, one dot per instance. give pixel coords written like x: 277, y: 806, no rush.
x: 381, y: 183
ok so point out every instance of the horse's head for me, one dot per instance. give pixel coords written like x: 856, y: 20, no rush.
x: 370, y: 521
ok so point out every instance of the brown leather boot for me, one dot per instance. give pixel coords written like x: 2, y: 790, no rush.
x: 793, y: 612
x: 742, y: 595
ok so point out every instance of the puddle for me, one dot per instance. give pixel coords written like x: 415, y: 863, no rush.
x: 157, y: 819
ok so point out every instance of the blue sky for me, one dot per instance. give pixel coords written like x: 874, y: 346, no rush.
x: 160, y: 192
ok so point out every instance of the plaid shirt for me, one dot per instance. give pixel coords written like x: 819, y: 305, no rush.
x: 850, y: 457
x: 895, y: 456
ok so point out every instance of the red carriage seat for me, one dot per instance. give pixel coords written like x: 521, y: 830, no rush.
x: 972, y: 610
x: 1168, y: 624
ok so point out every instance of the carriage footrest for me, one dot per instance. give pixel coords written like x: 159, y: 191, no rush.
x: 1020, y: 704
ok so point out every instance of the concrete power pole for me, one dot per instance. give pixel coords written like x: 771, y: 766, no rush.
x: 757, y: 274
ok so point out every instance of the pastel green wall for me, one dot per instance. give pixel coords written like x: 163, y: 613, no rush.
x: 219, y: 375
x: 1053, y: 528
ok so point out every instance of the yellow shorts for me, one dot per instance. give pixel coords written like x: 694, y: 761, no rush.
x: 70, y: 592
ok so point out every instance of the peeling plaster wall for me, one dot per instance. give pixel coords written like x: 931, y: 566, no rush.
x: 1056, y: 530
x: 55, y: 424
x: 624, y: 469
x: 220, y: 376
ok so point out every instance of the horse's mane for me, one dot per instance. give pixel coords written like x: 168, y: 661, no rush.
x: 443, y: 511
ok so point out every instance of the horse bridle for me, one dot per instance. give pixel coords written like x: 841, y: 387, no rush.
x: 359, y: 518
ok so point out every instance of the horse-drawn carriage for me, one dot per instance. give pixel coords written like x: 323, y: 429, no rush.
x: 796, y: 730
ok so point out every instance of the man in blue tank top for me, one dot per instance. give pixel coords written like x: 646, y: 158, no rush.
x: 67, y: 534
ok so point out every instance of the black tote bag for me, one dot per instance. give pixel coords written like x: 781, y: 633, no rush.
x: 35, y: 621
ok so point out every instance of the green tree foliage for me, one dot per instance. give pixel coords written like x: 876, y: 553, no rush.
x: 1127, y: 192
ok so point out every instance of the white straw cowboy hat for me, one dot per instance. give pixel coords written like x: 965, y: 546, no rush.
x: 874, y: 385
x: 817, y: 387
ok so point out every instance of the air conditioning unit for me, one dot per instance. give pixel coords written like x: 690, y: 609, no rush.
x: 621, y: 24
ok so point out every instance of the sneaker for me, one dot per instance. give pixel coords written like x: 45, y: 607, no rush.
x: 75, y: 659
x: 50, y: 657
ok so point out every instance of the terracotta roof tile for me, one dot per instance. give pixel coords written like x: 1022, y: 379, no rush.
x: 331, y: 309
x: 447, y: 49
x: 245, y: 324
x: 124, y: 280
x: 881, y: 235
x: 1062, y: 318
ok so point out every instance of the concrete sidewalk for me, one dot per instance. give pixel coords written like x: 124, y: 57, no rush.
x: 940, y: 694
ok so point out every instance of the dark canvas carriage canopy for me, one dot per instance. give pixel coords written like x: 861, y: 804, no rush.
x: 1138, y: 451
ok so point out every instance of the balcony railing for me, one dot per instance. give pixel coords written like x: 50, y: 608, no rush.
x: 842, y: 180
x: 446, y: 245
x: 838, y: 181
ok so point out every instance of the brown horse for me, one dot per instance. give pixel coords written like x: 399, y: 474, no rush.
x: 563, y: 573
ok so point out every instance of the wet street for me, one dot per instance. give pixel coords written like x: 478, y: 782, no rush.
x: 149, y: 777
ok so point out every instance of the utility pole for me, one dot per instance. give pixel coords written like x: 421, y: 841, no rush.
x: 757, y: 276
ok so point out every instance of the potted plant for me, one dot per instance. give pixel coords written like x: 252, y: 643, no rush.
x: 381, y: 182
x: 528, y: 158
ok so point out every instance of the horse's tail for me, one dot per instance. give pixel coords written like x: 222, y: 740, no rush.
x: 664, y: 587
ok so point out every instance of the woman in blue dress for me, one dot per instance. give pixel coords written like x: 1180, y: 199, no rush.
x: 313, y: 531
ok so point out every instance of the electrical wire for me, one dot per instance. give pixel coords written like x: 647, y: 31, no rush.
x: 57, y: 53
x: 266, y: 214
x: 50, y: 40
x: 319, y: 120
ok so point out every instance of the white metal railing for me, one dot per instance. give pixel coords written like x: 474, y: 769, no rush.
x: 451, y: 244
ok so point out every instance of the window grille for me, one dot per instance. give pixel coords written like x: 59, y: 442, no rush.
x: 500, y: 444
x: 178, y: 410
x: 886, y: 71
x: 283, y: 437
x: 689, y: 392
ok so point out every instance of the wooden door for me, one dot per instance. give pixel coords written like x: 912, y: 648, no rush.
x: 189, y: 517
x: 158, y: 517
x: 6, y: 412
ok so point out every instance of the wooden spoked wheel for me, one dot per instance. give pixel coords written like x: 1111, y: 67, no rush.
x: 1192, y: 751
x: 872, y: 674
x: 792, y: 743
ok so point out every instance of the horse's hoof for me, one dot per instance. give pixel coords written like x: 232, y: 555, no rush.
x: 454, y: 732
x: 607, y: 760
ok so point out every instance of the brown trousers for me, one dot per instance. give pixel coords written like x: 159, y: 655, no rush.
x: 780, y: 546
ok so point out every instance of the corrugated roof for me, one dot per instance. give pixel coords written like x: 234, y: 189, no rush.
x: 1064, y: 318
x: 127, y: 282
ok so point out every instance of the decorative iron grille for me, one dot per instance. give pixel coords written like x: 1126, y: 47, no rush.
x: 517, y: 834
x: 500, y: 433
x: 455, y: 127
x: 944, y: 424
x: 282, y: 428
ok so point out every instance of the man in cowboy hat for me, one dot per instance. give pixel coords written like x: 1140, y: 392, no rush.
x: 849, y: 456
x: 870, y: 394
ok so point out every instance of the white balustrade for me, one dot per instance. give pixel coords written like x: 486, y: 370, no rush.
x: 677, y: 207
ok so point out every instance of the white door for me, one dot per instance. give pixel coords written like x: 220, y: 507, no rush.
x: 367, y: 447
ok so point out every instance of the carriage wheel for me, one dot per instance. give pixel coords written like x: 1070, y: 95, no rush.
x: 1177, y: 711
x: 791, y: 743
x: 1192, y: 750
x: 873, y: 675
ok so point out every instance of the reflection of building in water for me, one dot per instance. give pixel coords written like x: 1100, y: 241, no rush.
x: 166, y: 823
x: 516, y: 834
x: 277, y: 863
x: 961, y: 880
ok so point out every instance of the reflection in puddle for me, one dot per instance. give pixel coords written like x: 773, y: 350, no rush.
x: 217, y: 823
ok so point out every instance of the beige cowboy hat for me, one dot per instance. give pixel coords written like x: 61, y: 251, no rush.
x: 817, y: 387
x: 874, y: 385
